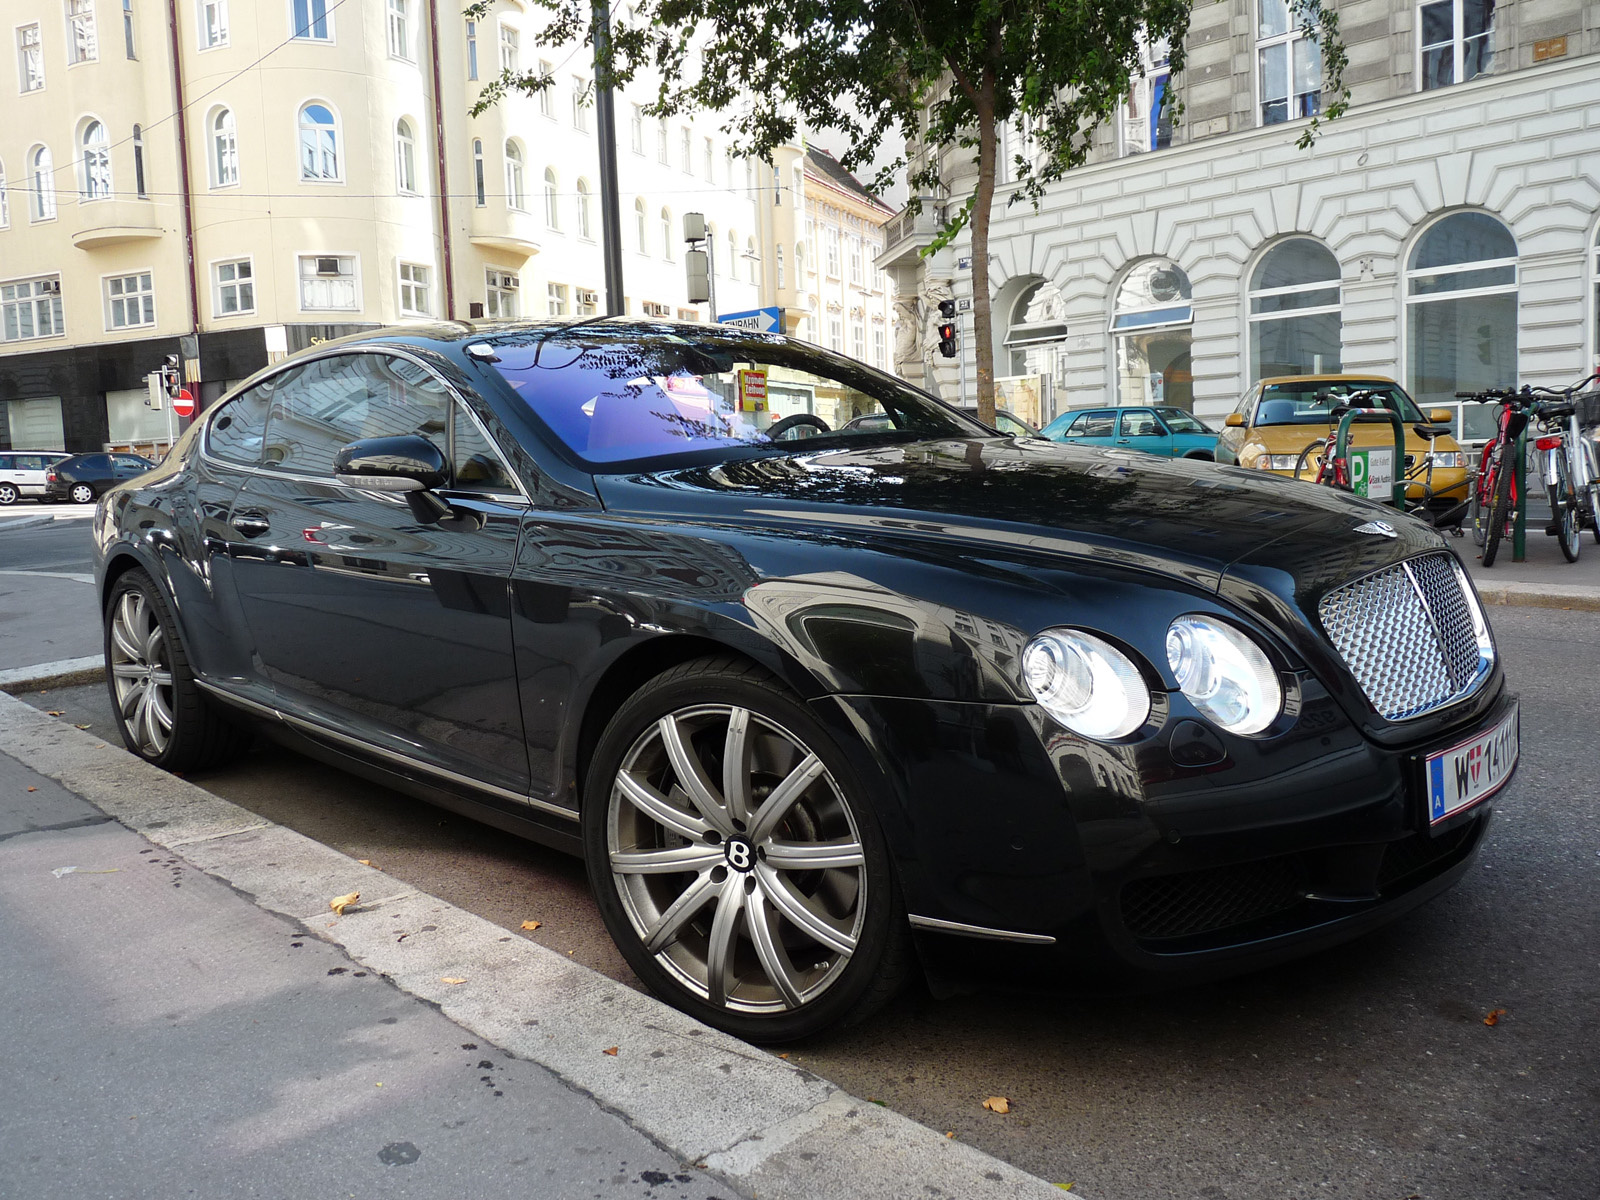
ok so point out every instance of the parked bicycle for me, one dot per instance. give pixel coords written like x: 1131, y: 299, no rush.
x: 1320, y: 462
x: 1567, y: 465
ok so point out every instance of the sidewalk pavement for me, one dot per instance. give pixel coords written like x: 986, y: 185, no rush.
x: 186, y: 1014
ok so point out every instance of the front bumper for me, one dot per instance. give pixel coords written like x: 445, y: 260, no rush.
x: 1156, y: 860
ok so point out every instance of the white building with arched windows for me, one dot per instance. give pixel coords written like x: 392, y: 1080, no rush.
x: 1444, y: 231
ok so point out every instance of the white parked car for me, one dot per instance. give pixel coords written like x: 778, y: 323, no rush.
x: 22, y: 473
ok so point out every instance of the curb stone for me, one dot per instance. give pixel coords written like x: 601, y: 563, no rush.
x: 1540, y: 595
x: 757, y: 1122
x: 26, y: 522
x: 65, y: 672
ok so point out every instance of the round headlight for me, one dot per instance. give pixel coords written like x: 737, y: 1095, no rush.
x: 1224, y: 674
x: 1086, y: 683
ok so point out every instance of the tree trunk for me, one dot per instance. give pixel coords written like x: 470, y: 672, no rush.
x: 982, y: 324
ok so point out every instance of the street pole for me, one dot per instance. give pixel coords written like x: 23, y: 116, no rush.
x: 711, y: 275
x: 606, y: 122
x: 961, y: 351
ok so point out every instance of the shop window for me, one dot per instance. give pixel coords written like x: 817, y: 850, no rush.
x: 1294, y: 311
x: 1151, y: 337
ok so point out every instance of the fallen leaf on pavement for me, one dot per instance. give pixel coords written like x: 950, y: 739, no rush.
x: 998, y: 1104
x: 785, y: 1054
x: 949, y: 1133
x: 531, y: 925
x: 1494, y: 1016
x: 33, y: 789
x: 1067, y: 1187
x: 612, y: 1052
x: 54, y: 712
x: 365, y: 862
x: 340, y: 903
x: 451, y: 979
x: 81, y: 727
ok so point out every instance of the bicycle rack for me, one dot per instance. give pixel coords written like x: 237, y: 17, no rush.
x: 1519, y: 524
x: 1372, y: 416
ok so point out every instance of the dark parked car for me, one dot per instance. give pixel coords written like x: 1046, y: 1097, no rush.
x: 1039, y: 709
x: 83, y: 477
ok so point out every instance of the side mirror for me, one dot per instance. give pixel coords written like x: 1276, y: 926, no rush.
x: 1234, y: 420
x: 392, y: 464
x: 1440, y: 416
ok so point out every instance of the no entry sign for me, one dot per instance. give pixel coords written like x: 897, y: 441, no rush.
x: 183, y: 403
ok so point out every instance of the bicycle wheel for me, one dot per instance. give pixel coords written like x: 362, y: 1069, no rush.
x: 1483, y: 491
x: 1565, y: 512
x: 1499, y: 513
x: 1592, y: 487
x: 1309, y: 465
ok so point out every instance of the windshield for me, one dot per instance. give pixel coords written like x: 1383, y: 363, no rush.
x: 1311, y: 402
x: 1182, y: 422
x: 620, y: 395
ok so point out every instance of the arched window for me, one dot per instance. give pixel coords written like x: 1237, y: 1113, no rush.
x: 477, y: 172
x: 405, y: 157
x: 319, y: 143
x: 642, y: 224
x: 96, y: 181
x: 584, y: 227
x: 1036, y: 333
x: 1461, y: 311
x: 1294, y: 311
x: 777, y: 263
x: 224, y: 150
x: 1150, y: 336
x: 43, y: 171
x: 666, y: 234
x: 516, y: 190
x: 5, y: 198
x: 752, y: 260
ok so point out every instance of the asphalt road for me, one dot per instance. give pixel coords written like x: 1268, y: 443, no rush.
x: 1367, y: 1071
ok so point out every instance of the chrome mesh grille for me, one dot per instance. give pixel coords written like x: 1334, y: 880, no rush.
x: 1408, y: 635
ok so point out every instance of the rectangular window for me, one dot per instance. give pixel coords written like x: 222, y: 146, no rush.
x: 138, y: 164
x: 510, y: 48
x: 557, y: 299
x: 30, y: 58
x: 855, y: 262
x: 588, y: 302
x: 1455, y: 40
x: 580, y: 104
x: 130, y: 301
x: 685, y: 156
x: 833, y: 253
x: 213, y: 23
x: 235, y: 288
x: 858, y: 339
x: 31, y: 308
x: 638, y: 129
x: 547, y: 100
x: 414, y: 287
x: 328, y: 283
x: 1147, y: 114
x: 709, y: 167
x: 477, y: 172
x: 82, y: 45
x: 472, y: 49
x: 127, y: 27
x: 311, y: 20
x: 1289, y: 65
x: 399, y: 30
x: 501, y: 294
x: 879, y: 346
x: 661, y: 142
x: 836, y: 334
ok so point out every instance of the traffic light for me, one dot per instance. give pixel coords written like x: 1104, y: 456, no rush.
x: 169, y: 375
x: 947, y: 328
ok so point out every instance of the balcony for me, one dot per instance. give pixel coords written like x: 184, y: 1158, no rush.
x: 506, y: 229
x: 906, y: 233
x: 113, y: 222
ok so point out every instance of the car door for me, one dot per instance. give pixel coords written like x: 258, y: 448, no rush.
x: 365, y: 618
x: 128, y: 466
x: 1141, y: 430
x: 1098, y: 427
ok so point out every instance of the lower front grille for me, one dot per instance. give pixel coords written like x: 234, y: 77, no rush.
x: 1170, y: 906
x: 1406, y: 857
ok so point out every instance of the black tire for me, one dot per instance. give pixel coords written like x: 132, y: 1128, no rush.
x: 161, y: 713
x: 793, y: 949
x: 1304, y: 467
x: 1565, y: 512
x: 1199, y: 456
x: 81, y: 493
x: 1499, y: 509
x: 8, y: 493
x: 1479, y: 505
x: 1593, y: 488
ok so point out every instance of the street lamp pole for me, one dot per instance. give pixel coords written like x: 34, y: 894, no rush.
x: 606, y: 122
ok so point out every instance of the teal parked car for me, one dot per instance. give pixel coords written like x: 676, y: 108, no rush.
x: 1168, y: 432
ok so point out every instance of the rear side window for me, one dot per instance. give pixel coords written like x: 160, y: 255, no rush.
x: 95, y: 462
x: 1096, y: 424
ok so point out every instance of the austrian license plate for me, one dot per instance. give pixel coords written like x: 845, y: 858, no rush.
x: 1464, y: 774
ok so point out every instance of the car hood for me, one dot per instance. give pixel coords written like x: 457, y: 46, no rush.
x: 1036, y: 498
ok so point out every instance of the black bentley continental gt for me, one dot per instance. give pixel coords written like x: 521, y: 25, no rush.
x: 817, y: 703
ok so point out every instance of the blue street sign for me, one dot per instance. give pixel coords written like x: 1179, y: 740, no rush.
x: 761, y: 320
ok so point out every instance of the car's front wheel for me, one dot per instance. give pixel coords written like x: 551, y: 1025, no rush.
x: 161, y: 712
x: 734, y: 860
x: 81, y: 493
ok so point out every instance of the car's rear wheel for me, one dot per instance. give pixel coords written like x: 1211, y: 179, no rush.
x: 161, y: 712
x: 81, y: 493
x: 735, y: 862
x: 8, y: 493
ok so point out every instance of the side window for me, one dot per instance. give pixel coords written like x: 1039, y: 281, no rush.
x: 1139, y: 424
x: 97, y: 462
x: 1096, y: 424
x: 347, y: 397
x: 477, y: 463
x: 237, y: 432
x: 128, y: 463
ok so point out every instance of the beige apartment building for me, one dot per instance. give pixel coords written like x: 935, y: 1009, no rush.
x: 232, y: 180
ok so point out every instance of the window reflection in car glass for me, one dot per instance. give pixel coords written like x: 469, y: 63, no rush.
x: 237, y: 431
x: 611, y: 401
x: 1095, y: 425
x: 346, y: 398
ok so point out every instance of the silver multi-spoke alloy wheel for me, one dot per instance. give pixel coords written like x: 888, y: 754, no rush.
x: 8, y: 493
x: 737, y: 859
x: 141, y: 672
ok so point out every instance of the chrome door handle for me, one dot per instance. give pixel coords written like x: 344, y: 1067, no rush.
x: 251, y: 525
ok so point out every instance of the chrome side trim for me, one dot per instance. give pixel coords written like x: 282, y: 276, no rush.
x: 980, y: 931
x: 319, y: 730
